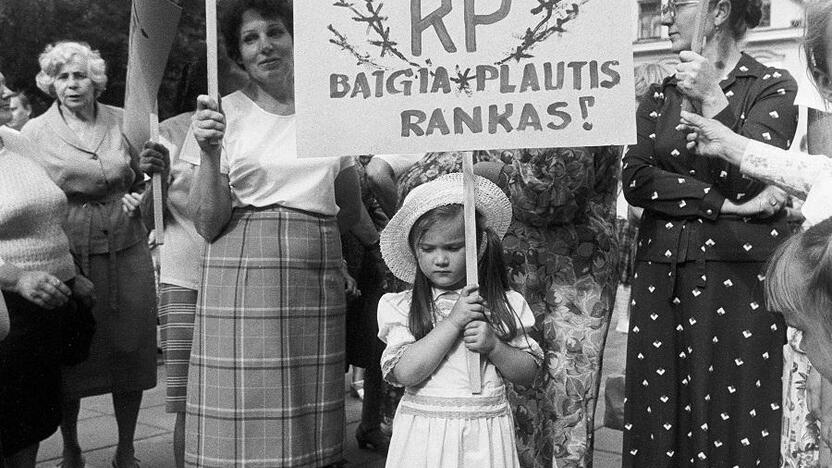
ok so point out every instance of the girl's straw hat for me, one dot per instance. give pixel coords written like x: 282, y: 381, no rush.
x: 446, y: 190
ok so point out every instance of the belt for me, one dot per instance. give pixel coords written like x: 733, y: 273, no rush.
x: 690, y: 232
x: 112, y: 266
x: 473, y: 407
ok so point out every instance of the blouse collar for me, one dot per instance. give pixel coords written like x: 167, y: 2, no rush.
x: 437, y: 293
x: 56, y: 121
x: 746, y: 66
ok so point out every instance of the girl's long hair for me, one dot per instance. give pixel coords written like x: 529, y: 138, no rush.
x: 490, y: 267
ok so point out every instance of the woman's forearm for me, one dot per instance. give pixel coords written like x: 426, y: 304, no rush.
x: 348, y: 198
x: 516, y: 365
x: 365, y: 229
x: 423, y: 357
x: 383, y: 183
x: 209, y: 201
x: 793, y: 172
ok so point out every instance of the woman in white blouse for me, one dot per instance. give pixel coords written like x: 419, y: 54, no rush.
x: 265, y: 384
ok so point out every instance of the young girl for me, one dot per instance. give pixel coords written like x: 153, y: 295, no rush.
x: 430, y: 329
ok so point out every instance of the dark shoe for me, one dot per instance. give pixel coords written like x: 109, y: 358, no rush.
x: 74, y: 462
x: 134, y: 464
x: 372, y: 439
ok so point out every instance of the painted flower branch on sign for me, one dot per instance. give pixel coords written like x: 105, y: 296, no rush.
x: 554, y: 13
x: 375, y: 24
x: 551, y: 16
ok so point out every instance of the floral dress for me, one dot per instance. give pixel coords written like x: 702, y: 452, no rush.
x: 561, y: 255
x: 800, y: 440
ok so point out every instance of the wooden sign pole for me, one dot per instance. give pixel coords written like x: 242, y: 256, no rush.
x: 698, y: 42
x: 211, y: 48
x: 470, y: 199
x: 158, y: 205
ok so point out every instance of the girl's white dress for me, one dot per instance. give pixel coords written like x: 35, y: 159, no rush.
x: 439, y: 423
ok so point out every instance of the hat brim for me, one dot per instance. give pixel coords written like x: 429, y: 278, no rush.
x: 491, y: 202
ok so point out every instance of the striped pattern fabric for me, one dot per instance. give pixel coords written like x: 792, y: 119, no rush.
x: 177, y: 306
x: 265, y: 384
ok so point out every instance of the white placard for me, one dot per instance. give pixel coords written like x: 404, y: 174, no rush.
x: 409, y: 76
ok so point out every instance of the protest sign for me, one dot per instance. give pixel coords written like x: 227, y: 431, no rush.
x: 153, y: 25
x: 407, y: 76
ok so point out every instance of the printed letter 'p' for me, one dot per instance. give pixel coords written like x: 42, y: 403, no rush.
x: 472, y: 19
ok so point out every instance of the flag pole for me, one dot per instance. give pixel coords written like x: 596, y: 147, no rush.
x: 158, y: 205
x: 211, y: 48
x: 469, y: 190
x: 698, y: 42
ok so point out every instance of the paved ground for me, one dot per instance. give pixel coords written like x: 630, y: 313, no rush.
x: 154, y: 439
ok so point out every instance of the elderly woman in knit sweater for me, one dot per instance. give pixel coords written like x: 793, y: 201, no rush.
x: 39, y: 286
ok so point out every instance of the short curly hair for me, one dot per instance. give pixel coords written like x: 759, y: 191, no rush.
x: 232, y: 20
x: 56, y: 55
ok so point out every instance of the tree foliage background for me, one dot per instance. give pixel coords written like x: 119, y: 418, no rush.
x: 27, y: 26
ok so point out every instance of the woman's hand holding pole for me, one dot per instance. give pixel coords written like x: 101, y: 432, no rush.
x: 209, y: 201
x: 698, y: 80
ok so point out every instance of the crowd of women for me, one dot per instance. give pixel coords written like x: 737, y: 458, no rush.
x: 277, y: 271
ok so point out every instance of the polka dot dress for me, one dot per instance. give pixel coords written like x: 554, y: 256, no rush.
x: 704, y: 357
x: 703, y: 372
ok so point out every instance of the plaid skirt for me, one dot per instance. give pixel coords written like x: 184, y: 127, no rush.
x: 266, y: 378
x: 177, y: 306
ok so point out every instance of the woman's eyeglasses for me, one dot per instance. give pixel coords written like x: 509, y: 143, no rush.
x: 669, y: 8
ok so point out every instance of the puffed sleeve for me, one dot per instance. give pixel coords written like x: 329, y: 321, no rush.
x: 648, y: 186
x: 393, y: 330
x: 525, y: 322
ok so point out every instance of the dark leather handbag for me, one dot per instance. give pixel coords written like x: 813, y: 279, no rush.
x: 77, y: 330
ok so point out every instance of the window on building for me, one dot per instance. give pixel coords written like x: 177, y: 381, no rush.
x: 649, y: 19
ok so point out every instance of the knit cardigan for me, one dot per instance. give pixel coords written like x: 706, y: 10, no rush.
x: 32, y: 209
